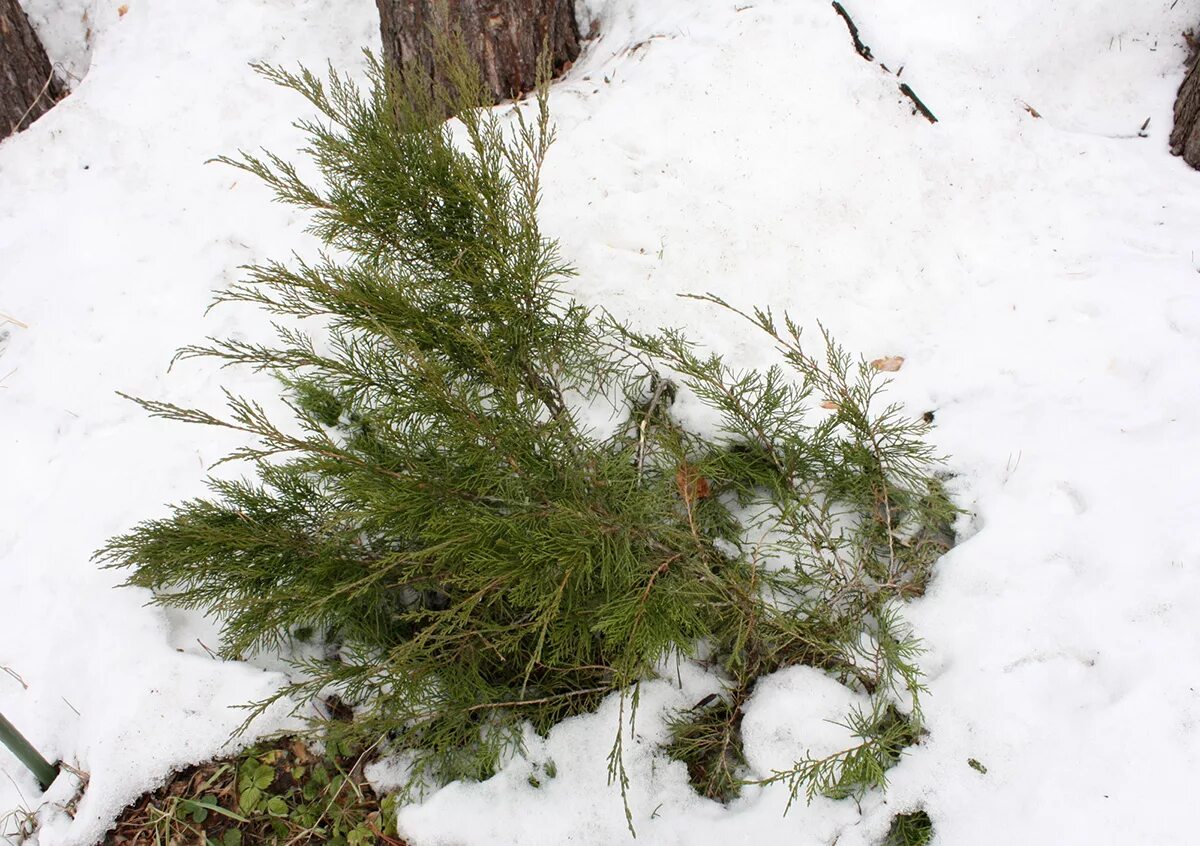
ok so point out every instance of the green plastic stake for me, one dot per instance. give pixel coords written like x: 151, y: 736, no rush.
x: 42, y: 770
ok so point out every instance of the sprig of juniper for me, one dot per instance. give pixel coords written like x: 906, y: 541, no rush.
x: 474, y: 556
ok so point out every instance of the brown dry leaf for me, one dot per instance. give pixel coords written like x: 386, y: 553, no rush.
x: 300, y: 751
x: 831, y: 405
x: 888, y: 364
x: 692, y: 486
x: 122, y: 10
x: 1030, y: 109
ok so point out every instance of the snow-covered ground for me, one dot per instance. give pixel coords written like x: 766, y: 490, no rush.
x: 1039, y: 274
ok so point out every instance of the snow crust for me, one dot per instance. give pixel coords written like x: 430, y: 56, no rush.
x: 1039, y: 274
x: 67, y: 29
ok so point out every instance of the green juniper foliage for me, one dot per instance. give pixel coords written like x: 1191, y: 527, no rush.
x: 476, y: 557
x: 915, y: 829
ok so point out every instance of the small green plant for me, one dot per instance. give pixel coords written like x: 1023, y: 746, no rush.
x: 542, y: 772
x: 280, y: 792
x: 444, y: 513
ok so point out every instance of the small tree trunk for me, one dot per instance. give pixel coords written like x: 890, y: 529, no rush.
x: 1185, y: 138
x: 504, y: 37
x: 28, y: 86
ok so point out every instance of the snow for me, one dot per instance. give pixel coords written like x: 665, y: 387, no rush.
x: 796, y: 712
x: 1037, y: 274
x: 67, y: 30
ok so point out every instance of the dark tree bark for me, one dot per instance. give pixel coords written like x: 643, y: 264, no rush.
x: 504, y: 36
x: 28, y: 86
x: 1185, y: 138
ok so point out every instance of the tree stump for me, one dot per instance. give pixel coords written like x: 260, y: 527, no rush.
x: 504, y: 37
x: 1185, y: 138
x: 28, y: 86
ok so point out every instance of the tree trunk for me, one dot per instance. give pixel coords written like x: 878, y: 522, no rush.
x: 504, y: 36
x: 1185, y: 138
x: 28, y: 86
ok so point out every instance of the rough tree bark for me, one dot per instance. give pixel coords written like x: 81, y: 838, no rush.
x: 1185, y: 138
x: 28, y: 86
x: 504, y: 36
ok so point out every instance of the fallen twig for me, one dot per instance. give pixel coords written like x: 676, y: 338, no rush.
x: 865, y: 51
x: 921, y: 107
x: 663, y: 385
x: 860, y: 48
